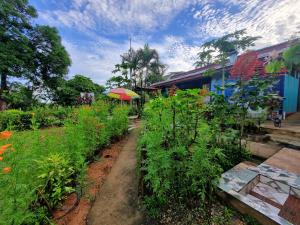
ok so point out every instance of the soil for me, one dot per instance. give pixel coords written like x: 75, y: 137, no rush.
x: 111, y: 195
x: 96, y: 175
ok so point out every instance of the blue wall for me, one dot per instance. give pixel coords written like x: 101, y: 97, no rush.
x: 286, y: 87
x: 218, y: 83
x: 291, y: 86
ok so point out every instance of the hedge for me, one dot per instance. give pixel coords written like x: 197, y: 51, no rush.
x: 44, y: 116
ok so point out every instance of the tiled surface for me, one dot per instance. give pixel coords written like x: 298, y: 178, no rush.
x: 271, y: 188
x: 274, y: 194
x: 277, y: 174
x: 262, y: 206
x: 233, y: 181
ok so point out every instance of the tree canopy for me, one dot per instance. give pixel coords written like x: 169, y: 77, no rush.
x: 138, y: 68
x: 69, y: 90
x: 15, y: 50
x: 219, y: 50
x: 31, y: 52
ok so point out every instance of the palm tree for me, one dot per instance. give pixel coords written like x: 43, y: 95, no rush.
x: 149, y: 63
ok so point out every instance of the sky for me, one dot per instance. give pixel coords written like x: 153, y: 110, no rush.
x: 96, y: 32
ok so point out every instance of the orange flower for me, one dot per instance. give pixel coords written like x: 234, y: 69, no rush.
x: 1, y: 158
x: 5, y: 135
x: 3, y: 148
x: 6, y: 170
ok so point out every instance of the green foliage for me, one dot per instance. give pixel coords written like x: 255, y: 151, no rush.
x: 70, y: 90
x: 253, y: 94
x: 140, y: 67
x: 15, y: 50
x: 274, y: 66
x: 15, y: 120
x: 117, y: 82
x: 292, y: 58
x: 31, y: 52
x: 47, y: 164
x: 19, y: 97
x: 181, y: 154
x: 50, y: 59
x: 56, y: 179
x: 218, y: 50
x: 44, y: 116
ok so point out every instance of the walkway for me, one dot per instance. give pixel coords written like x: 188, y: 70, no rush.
x: 117, y: 201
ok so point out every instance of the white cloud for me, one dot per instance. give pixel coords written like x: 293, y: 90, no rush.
x: 97, y: 60
x: 273, y: 20
x: 120, y: 16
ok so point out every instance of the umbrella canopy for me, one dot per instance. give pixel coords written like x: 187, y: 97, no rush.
x: 122, y: 94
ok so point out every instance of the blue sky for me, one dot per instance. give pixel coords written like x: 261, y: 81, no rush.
x: 96, y: 32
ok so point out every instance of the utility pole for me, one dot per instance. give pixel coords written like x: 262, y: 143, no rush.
x: 130, y: 58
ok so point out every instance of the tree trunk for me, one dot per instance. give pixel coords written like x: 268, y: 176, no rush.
x: 3, y: 103
x: 223, y: 79
x: 3, y: 82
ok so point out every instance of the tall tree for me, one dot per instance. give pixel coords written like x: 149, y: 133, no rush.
x: 50, y: 60
x: 149, y: 64
x: 15, y: 51
x: 219, y: 50
x: 139, y: 68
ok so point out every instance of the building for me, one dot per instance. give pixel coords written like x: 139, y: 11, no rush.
x: 288, y: 86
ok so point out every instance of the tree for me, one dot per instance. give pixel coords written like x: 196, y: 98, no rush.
x: 117, y: 81
x: 70, y: 90
x: 139, y: 68
x: 34, y: 53
x: 219, y: 50
x: 20, y: 97
x: 50, y: 60
x: 15, y: 51
x: 292, y: 58
x: 205, y: 58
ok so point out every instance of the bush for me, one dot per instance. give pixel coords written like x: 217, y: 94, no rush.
x: 15, y: 120
x: 47, y: 164
x: 182, y: 154
x: 44, y: 116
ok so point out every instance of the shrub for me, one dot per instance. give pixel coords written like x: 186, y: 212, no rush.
x: 47, y: 164
x: 15, y: 120
x: 45, y: 117
x: 182, y: 154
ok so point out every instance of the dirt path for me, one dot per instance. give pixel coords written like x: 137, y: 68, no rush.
x: 116, y: 203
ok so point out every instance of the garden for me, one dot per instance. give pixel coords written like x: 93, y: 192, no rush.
x: 54, y: 127
x: 39, y: 167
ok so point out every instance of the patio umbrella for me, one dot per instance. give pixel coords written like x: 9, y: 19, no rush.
x: 122, y: 94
